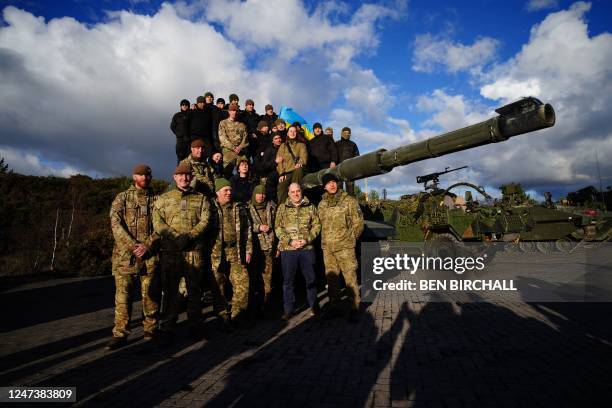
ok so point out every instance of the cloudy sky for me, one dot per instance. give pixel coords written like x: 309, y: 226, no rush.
x: 90, y: 86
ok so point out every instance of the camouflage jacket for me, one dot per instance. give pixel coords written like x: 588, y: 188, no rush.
x: 203, y: 180
x: 296, y: 222
x: 265, y: 239
x: 341, y: 221
x: 180, y: 218
x: 131, y: 223
x: 288, y: 164
x: 242, y: 227
x: 232, y: 134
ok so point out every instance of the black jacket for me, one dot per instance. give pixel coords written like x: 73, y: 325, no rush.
x: 242, y: 188
x: 347, y: 149
x: 270, y: 119
x: 180, y: 125
x: 321, y: 152
x: 202, y: 124
x: 267, y: 162
x: 217, y: 168
x: 250, y: 119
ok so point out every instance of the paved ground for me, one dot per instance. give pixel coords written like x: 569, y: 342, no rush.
x: 401, y: 353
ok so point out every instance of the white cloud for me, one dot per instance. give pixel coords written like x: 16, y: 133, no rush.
x: 101, y: 96
x: 29, y: 163
x: 451, y: 111
x: 431, y: 53
x: 536, y: 5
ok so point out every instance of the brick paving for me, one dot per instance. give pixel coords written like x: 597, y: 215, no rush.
x: 401, y: 353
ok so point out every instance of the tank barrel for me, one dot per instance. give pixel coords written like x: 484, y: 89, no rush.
x: 523, y: 116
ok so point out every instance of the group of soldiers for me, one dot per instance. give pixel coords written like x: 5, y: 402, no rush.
x: 274, y: 153
x: 197, y: 231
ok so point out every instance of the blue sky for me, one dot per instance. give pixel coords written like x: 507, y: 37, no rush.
x: 108, y: 75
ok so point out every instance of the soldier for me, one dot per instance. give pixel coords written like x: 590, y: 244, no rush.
x: 233, y: 139
x: 291, y: 158
x: 180, y: 218
x: 322, y: 153
x: 232, y: 249
x: 180, y: 126
x: 262, y: 213
x: 329, y: 132
x: 202, y: 124
x: 203, y: 179
x: 347, y: 149
x: 134, y: 255
x: 341, y: 226
x: 270, y: 117
x: 297, y: 226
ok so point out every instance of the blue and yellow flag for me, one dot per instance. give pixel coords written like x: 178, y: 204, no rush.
x: 289, y: 116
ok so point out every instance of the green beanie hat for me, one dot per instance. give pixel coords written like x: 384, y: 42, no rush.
x: 220, y: 183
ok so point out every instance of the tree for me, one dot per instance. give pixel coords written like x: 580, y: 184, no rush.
x: 4, y: 167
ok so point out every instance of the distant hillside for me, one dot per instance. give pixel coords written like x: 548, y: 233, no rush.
x: 60, y: 225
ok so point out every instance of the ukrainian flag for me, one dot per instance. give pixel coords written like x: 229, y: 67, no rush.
x: 289, y: 116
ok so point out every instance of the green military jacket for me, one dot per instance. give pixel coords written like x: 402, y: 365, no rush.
x: 341, y: 221
x: 203, y: 179
x: 296, y: 222
x: 300, y: 155
x: 265, y: 239
x: 232, y: 134
x: 131, y: 223
x: 180, y: 218
x: 244, y: 241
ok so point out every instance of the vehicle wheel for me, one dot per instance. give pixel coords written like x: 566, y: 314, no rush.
x: 544, y: 247
x: 564, y: 245
x: 443, y: 246
x: 527, y: 246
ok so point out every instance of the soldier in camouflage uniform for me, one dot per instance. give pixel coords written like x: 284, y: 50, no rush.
x: 342, y: 224
x: 203, y: 180
x: 297, y: 226
x: 262, y: 213
x: 134, y: 255
x: 233, y: 139
x: 231, y: 251
x: 181, y: 217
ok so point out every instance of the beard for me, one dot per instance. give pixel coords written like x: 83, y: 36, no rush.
x: 144, y: 184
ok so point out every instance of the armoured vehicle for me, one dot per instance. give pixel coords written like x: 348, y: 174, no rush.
x: 523, y: 116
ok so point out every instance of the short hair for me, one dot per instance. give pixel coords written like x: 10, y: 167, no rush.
x: 295, y: 184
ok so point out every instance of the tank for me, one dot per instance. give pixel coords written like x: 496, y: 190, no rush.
x: 523, y: 116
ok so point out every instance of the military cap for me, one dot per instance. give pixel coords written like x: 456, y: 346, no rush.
x: 274, y: 134
x: 259, y: 189
x: 200, y: 99
x: 221, y: 100
x: 317, y: 125
x: 197, y: 143
x: 328, y: 131
x: 185, y: 102
x: 249, y: 102
x: 233, y: 107
x: 209, y: 94
x: 327, y: 177
x: 233, y: 97
x: 142, y: 169
x: 346, y: 129
x: 278, y: 122
x: 221, y: 182
x: 269, y: 107
x: 241, y: 159
x: 261, y: 124
x: 182, y: 168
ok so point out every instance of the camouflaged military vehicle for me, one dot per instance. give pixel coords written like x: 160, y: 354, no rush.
x: 421, y: 217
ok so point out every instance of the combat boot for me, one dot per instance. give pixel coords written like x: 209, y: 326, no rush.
x: 116, y: 342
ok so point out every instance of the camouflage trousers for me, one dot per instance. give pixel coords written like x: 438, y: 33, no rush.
x: 345, y: 262
x: 261, y: 267
x: 238, y: 278
x: 173, y: 267
x: 125, y: 286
